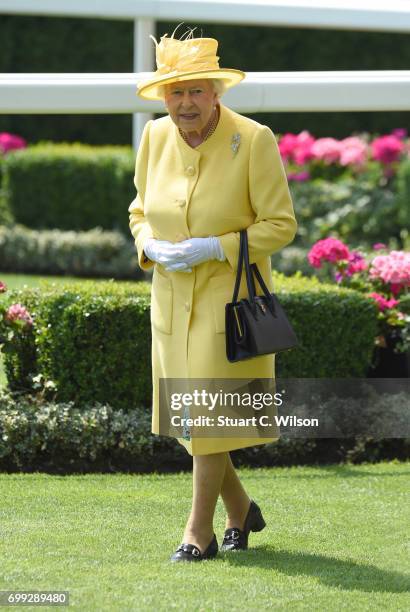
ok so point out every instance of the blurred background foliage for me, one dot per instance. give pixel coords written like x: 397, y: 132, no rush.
x: 52, y: 44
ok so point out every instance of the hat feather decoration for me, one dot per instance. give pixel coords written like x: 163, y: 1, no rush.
x: 173, y: 54
x: 183, y: 59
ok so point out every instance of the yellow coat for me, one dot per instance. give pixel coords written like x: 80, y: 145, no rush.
x: 209, y: 190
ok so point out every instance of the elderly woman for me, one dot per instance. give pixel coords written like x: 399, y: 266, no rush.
x: 203, y: 173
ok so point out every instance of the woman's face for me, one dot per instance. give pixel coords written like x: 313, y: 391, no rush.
x: 190, y: 104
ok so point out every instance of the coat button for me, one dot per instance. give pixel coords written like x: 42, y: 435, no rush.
x: 187, y: 306
x: 181, y: 202
x: 190, y: 170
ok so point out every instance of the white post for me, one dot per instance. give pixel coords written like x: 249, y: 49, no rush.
x: 143, y: 62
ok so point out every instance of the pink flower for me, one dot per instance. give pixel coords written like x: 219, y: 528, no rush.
x: 393, y: 268
x: 328, y: 249
x: 353, y: 150
x: 286, y: 146
x: 379, y: 245
x: 357, y: 263
x: 382, y: 303
x: 8, y: 142
x: 387, y: 149
x: 326, y: 149
x: 17, y: 312
x: 296, y: 148
x: 400, y: 133
x: 395, y: 288
x: 299, y: 176
x: 3, y: 287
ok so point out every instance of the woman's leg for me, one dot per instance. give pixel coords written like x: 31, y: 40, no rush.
x: 208, y: 474
x: 234, y: 496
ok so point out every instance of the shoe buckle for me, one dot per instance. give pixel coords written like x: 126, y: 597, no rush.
x: 235, y: 535
x: 195, y: 552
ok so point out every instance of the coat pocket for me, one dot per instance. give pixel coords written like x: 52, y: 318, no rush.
x: 161, y: 303
x: 221, y: 294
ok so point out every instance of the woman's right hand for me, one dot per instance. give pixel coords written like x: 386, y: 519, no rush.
x: 166, y: 253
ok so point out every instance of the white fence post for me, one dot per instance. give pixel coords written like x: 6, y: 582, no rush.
x: 143, y: 62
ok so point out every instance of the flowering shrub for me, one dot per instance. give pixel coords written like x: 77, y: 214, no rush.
x: 329, y: 249
x: 385, y: 278
x: 9, y: 142
x: 303, y: 153
x: 393, y: 269
x: 13, y: 320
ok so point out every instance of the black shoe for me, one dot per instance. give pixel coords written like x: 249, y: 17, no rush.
x: 237, y: 539
x: 190, y: 552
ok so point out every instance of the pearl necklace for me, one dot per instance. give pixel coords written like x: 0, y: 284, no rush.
x: 210, y: 131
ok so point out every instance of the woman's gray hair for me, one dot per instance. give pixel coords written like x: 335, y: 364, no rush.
x: 218, y: 85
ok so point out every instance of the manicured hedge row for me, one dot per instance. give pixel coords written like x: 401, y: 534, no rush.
x: 99, y: 253
x: 92, y: 341
x: 78, y: 187
x: 69, y: 186
x: 63, y: 438
x: 402, y: 184
x: 94, y: 253
x: 6, y: 216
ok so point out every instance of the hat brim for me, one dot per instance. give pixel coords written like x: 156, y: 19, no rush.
x: 148, y: 89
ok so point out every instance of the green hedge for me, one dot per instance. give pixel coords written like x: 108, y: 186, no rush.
x: 78, y: 187
x: 38, y: 434
x: 336, y: 328
x: 63, y: 438
x: 69, y: 186
x: 65, y: 44
x: 6, y: 216
x: 94, y: 253
x: 92, y: 340
x: 99, y: 253
x: 403, y: 194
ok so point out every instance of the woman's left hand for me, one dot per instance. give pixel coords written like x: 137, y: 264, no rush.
x: 199, y: 250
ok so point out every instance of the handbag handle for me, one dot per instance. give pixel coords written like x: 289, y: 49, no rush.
x: 249, y: 276
x: 250, y: 270
x: 251, y: 282
x: 239, y: 269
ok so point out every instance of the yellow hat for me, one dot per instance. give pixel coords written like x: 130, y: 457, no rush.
x: 181, y: 60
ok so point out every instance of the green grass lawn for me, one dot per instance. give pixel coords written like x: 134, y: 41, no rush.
x: 336, y: 539
x: 15, y: 281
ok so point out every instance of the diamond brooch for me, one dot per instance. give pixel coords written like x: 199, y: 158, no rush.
x: 236, y: 140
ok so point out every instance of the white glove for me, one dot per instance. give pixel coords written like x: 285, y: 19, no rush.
x: 165, y: 253
x: 198, y: 250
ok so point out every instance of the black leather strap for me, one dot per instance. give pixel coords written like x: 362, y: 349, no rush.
x: 249, y: 276
x: 250, y: 271
x: 261, y: 282
x: 239, y: 270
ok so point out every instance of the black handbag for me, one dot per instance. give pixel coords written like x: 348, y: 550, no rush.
x: 256, y: 325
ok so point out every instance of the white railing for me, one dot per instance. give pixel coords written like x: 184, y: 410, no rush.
x: 360, y: 90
